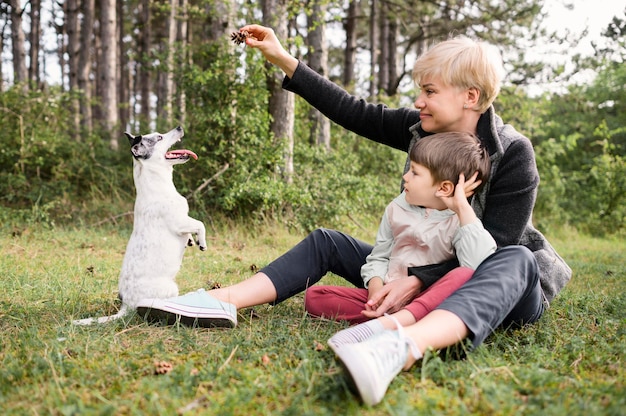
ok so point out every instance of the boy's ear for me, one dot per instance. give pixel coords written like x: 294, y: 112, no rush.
x: 446, y: 188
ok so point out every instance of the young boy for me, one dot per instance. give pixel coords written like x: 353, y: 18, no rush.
x: 430, y: 222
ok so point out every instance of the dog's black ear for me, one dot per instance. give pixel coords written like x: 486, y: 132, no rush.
x: 133, y: 140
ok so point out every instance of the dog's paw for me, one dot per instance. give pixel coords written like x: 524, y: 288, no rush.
x: 202, y: 248
x: 190, y: 242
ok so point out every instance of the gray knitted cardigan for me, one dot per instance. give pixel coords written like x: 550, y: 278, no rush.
x: 506, y: 201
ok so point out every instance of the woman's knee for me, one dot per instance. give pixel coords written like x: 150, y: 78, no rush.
x: 510, y: 258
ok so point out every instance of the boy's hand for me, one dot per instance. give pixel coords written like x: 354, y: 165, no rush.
x: 392, y: 297
x: 458, y: 202
x: 373, y: 286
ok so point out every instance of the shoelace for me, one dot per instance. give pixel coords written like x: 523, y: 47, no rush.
x: 403, y: 339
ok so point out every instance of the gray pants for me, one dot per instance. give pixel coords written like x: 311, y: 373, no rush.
x: 503, y: 291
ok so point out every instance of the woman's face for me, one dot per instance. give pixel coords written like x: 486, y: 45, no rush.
x: 441, y: 108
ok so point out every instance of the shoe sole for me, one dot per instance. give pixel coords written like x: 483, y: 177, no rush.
x: 160, y: 311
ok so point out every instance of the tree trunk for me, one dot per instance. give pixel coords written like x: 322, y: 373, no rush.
x: 373, y: 46
x: 123, y: 84
x: 1, y: 63
x: 383, y: 56
x: 281, y: 102
x: 183, y: 24
x: 34, y: 38
x: 73, y: 40
x: 349, y: 56
x: 318, y: 61
x: 143, y: 75
x: 167, y: 93
x: 392, y: 54
x: 108, y: 69
x: 84, y: 66
x: 221, y: 15
x: 18, y: 38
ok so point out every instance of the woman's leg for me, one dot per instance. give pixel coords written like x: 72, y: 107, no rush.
x: 503, y: 291
x: 255, y: 290
x: 322, y: 251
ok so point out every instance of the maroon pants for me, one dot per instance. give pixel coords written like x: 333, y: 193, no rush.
x: 344, y: 303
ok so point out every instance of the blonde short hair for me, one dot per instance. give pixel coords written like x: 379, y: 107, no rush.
x: 463, y: 63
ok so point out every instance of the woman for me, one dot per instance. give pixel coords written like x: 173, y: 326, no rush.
x: 458, y: 80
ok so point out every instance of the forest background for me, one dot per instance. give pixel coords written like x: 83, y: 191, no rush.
x: 264, y: 154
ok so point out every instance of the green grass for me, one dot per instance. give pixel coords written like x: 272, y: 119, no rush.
x: 570, y: 363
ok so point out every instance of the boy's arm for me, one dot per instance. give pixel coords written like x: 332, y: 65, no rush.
x: 472, y: 242
x: 377, y: 262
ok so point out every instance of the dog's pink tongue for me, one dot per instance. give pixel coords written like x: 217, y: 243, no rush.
x: 174, y: 154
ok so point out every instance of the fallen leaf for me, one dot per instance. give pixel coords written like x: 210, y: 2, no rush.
x: 265, y: 359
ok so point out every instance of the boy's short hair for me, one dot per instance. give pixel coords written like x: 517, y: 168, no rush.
x: 447, y: 155
x: 464, y: 63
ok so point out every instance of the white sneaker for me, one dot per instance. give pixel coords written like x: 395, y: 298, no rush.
x: 193, y: 309
x: 356, y: 333
x: 374, y: 363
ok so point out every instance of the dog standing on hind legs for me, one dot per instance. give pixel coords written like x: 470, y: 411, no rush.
x: 162, y: 227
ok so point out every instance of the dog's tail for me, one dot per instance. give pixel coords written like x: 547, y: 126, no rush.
x: 124, y: 310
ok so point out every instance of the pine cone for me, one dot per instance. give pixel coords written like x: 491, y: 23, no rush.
x: 239, y: 37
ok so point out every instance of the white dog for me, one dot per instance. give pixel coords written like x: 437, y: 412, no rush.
x: 162, y: 227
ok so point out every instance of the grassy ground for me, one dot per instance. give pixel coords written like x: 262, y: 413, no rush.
x: 276, y: 360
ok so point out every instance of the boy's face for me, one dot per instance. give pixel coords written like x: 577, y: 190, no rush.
x: 420, y: 188
x: 441, y: 108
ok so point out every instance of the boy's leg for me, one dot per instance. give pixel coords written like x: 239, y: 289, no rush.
x: 438, y: 292
x: 336, y: 302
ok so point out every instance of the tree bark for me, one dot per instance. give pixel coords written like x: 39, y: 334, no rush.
x: 281, y: 102
x: 1, y: 63
x: 167, y: 94
x: 143, y: 75
x: 318, y: 61
x: 84, y: 66
x: 392, y: 49
x: 183, y: 26
x: 108, y: 69
x: 73, y: 41
x: 373, y: 46
x: 34, y: 38
x: 349, y: 56
x: 18, y: 38
x: 383, y: 56
x: 123, y: 76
